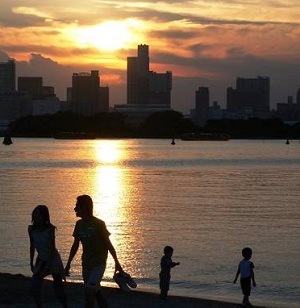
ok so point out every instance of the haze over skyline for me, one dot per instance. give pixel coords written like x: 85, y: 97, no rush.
x: 203, y: 43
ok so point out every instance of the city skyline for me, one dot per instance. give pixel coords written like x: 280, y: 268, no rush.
x: 203, y: 44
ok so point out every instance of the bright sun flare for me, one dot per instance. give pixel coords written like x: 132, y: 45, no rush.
x: 110, y: 35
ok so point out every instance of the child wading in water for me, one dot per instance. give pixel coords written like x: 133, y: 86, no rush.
x: 245, y: 270
x: 166, y: 264
x: 48, y: 261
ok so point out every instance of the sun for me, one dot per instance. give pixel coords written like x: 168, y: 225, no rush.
x: 109, y: 35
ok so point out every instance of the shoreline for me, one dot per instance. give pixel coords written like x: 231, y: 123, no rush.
x: 14, y: 290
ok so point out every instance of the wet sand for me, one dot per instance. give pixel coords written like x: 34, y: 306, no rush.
x: 14, y: 292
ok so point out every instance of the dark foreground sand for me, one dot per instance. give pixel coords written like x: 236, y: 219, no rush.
x: 14, y: 292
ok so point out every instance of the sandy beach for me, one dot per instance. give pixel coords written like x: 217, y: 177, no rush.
x: 14, y: 292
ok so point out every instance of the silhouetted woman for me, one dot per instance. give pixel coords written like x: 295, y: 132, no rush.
x: 48, y: 261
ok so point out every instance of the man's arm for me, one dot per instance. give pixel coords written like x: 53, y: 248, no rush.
x: 113, y: 253
x: 72, y: 254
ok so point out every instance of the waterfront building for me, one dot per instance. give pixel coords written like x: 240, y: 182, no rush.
x: 289, y: 111
x: 202, y: 105
x: 145, y: 87
x: 298, y: 97
x: 147, y: 91
x: 160, y: 85
x: 34, y: 86
x: 44, y: 100
x: 251, y: 97
x: 8, y: 76
x: 86, y: 96
x: 50, y: 105
x: 13, y: 105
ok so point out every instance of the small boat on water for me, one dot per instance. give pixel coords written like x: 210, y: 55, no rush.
x: 204, y: 137
x: 74, y: 135
x: 7, y: 140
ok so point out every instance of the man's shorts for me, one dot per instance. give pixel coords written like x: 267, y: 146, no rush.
x: 92, y: 277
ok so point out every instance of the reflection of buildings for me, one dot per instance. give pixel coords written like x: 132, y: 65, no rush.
x: 86, y: 96
x: 147, y: 91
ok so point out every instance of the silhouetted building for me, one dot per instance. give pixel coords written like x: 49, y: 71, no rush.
x: 146, y: 87
x: 202, y: 105
x: 288, y: 111
x: 44, y: 100
x: 34, y: 86
x: 298, y: 97
x: 8, y: 76
x: 147, y: 91
x: 138, y: 76
x: 215, y: 112
x: 14, y: 105
x: 86, y: 95
x: 160, y: 85
x: 251, y: 96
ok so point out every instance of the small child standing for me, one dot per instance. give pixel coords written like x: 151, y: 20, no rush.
x: 246, y: 272
x: 48, y: 261
x: 166, y: 264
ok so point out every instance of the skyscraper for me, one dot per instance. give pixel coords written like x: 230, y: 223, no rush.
x: 202, y: 105
x: 138, y: 76
x: 146, y: 87
x: 298, y: 97
x: 8, y: 76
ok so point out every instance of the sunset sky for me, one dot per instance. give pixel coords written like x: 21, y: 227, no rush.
x: 204, y: 43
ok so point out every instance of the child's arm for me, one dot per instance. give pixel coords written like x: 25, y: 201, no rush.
x: 237, y: 275
x: 175, y: 264
x: 252, y: 275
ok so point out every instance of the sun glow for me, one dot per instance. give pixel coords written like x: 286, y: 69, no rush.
x: 109, y: 35
x: 108, y: 152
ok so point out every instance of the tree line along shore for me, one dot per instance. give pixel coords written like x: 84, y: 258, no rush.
x: 166, y: 124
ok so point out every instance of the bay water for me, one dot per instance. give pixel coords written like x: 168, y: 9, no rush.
x: 207, y: 199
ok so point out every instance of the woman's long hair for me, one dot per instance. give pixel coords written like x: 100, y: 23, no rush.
x: 44, y: 212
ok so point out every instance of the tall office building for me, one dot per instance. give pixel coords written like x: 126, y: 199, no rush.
x: 138, y: 76
x: 202, y: 99
x: 160, y: 85
x: 8, y: 76
x: 298, y: 97
x: 251, y: 94
x: 146, y: 87
x: 87, y: 97
x: 202, y: 105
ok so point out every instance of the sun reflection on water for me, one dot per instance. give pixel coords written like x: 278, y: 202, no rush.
x: 109, y: 187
